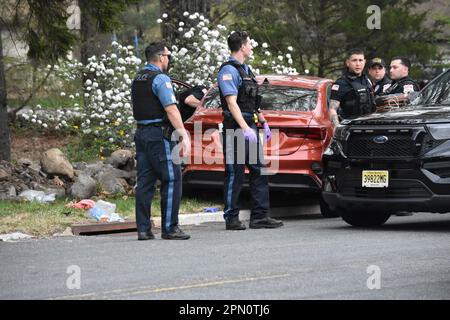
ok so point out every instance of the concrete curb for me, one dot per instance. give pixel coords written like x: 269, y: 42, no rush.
x: 244, y: 215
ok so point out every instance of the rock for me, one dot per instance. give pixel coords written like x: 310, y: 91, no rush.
x: 54, y: 162
x: 93, y: 169
x: 109, y: 183
x: 24, y: 162
x: 4, y: 175
x: 79, y: 165
x: 84, y: 187
x: 122, y: 159
x: 66, y: 233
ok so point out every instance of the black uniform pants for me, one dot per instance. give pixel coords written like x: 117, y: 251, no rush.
x: 154, y: 161
x: 238, y: 154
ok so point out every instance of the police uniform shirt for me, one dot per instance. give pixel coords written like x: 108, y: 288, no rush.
x: 405, y: 85
x: 229, y: 79
x: 382, y: 85
x: 162, y: 87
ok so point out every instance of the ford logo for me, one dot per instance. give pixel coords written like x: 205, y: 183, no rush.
x: 380, y: 139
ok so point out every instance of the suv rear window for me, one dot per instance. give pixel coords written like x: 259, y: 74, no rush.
x: 280, y: 98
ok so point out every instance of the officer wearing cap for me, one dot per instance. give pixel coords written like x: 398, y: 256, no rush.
x: 351, y: 94
x: 240, y: 104
x: 153, y: 99
x: 377, y: 73
x: 402, y: 83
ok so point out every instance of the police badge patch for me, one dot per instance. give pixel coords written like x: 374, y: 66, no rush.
x: 335, y: 87
x: 407, y: 88
x: 386, y: 86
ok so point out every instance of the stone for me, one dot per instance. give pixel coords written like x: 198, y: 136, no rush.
x: 4, y: 175
x: 122, y: 159
x: 54, y: 162
x: 109, y: 183
x: 24, y: 162
x: 84, y: 187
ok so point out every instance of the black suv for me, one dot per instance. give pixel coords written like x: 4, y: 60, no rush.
x: 393, y: 161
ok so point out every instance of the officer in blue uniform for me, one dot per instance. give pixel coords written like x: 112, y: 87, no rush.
x: 153, y: 99
x: 240, y: 100
x: 352, y: 94
x: 377, y: 73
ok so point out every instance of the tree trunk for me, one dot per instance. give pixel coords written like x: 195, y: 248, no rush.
x: 88, y: 32
x: 5, y: 144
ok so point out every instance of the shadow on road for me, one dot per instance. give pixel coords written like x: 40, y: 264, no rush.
x: 397, y: 225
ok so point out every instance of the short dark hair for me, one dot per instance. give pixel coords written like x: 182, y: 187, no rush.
x: 354, y: 51
x: 236, y: 40
x: 153, y: 50
x: 403, y: 60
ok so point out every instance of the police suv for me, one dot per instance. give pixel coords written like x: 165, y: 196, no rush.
x: 394, y: 161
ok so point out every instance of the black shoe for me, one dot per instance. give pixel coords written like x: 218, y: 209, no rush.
x: 234, y: 224
x: 145, y: 235
x: 176, y: 234
x: 265, y: 223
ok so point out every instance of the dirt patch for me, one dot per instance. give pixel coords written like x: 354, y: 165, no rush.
x: 32, y: 145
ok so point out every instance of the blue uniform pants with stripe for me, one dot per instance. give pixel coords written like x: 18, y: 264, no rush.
x: 154, y: 162
x: 239, y: 155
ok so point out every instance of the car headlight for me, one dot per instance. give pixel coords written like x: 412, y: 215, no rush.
x: 340, y: 132
x: 440, y: 131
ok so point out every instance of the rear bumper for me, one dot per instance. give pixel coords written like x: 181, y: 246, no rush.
x: 277, y: 181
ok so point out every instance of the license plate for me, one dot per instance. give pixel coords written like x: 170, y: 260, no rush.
x: 375, y: 179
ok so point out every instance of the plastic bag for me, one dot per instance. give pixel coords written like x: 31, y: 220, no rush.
x: 105, y: 211
x: 39, y: 196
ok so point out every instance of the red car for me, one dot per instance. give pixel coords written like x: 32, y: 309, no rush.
x: 295, y: 105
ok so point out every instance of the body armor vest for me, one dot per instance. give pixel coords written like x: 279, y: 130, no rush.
x: 359, y: 101
x: 248, y: 98
x: 397, y: 86
x: 146, y: 105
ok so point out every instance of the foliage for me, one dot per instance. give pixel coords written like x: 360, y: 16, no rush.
x: 321, y: 32
x: 105, y: 121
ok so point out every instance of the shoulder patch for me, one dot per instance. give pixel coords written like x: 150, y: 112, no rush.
x: 168, y: 85
x: 335, y: 87
x: 227, y: 77
x: 386, y: 86
x: 407, y: 88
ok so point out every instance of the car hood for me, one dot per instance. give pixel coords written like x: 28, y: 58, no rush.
x: 405, y: 115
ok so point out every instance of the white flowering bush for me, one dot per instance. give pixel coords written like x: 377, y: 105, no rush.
x: 100, y: 108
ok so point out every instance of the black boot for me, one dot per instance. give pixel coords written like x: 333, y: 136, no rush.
x: 234, y: 224
x: 268, y: 223
x: 148, y: 235
x: 176, y: 234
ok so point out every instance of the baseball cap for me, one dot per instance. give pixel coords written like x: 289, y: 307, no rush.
x: 375, y: 61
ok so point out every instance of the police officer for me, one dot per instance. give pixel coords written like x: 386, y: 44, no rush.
x: 240, y: 100
x: 188, y: 101
x: 399, y: 72
x: 153, y: 98
x: 352, y: 93
x: 377, y: 73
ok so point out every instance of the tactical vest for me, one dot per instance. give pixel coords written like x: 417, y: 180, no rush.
x: 248, y: 98
x: 146, y: 105
x: 359, y: 101
x: 397, y: 86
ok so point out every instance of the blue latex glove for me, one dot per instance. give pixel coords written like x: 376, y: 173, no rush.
x: 268, y: 133
x: 250, y: 135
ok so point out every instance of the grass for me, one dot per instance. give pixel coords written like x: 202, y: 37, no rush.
x: 41, y: 220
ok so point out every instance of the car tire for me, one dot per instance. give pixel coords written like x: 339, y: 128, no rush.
x: 326, y: 211
x: 365, y: 218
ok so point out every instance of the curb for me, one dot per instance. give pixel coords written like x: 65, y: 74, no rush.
x: 244, y: 215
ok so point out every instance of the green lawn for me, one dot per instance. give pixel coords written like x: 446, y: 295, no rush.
x: 46, y: 219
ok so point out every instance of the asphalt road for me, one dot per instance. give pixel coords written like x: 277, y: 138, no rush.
x: 309, y: 258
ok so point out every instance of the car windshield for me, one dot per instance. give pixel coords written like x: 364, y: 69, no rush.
x: 280, y: 98
x: 437, y: 92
